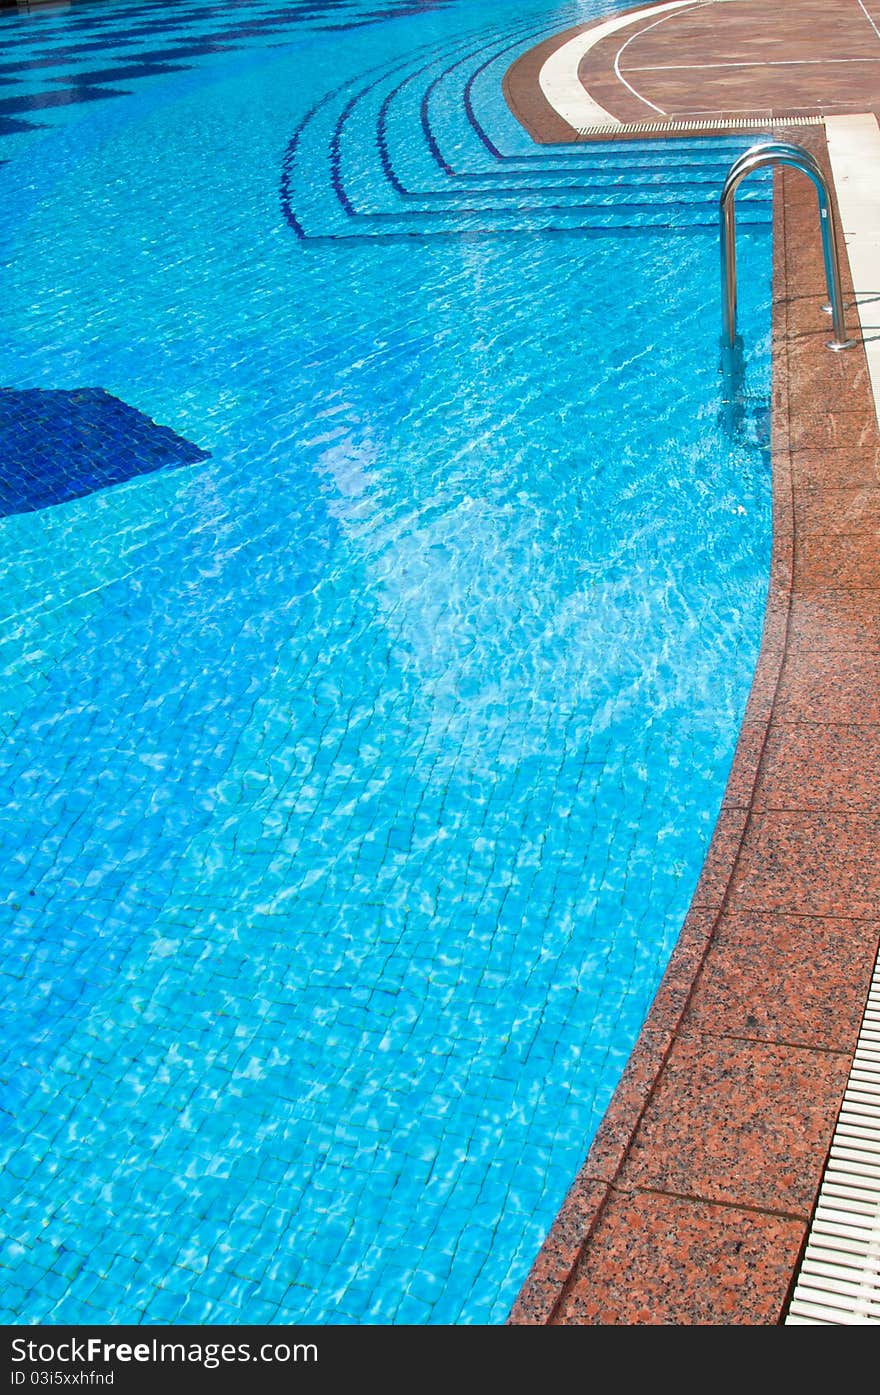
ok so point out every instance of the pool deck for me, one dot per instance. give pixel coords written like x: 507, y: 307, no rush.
x: 695, y: 1202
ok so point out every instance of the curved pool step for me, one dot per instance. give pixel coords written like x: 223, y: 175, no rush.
x: 374, y: 158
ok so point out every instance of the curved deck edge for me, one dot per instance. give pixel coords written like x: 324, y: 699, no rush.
x: 694, y: 1203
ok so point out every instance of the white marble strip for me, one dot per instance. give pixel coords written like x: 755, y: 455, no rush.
x: 854, y: 150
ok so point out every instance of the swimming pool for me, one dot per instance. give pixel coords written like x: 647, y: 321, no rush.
x: 367, y: 706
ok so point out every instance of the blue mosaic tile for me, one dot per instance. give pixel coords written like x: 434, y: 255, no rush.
x: 60, y: 445
x: 27, y: 65
x: 60, y: 56
x: 161, y: 55
x: 301, y: 928
x: 160, y: 26
x: 10, y: 127
x: 122, y: 74
x: 184, y: 40
x: 39, y: 101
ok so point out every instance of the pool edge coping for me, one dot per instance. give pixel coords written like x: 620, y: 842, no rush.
x: 568, y: 1242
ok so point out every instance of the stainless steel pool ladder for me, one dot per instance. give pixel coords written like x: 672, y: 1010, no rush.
x: 756, y: 157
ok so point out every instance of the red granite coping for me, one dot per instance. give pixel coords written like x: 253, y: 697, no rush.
x: 807, y: 56
x: 695, y: 1200
x: 739, y: 59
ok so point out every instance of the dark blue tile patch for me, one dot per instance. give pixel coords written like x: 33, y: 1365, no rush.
x: 132, y: 70
x: 59, y: 56
x: 169, y: 23
x: 121, y: 44
x: 170, y: 55
x: 50, y: 60
x: 60, y: 445
x: 39, y: 101
x: 11, y: 127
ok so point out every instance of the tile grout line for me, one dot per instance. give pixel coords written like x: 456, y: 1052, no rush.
x: 839, y: 1279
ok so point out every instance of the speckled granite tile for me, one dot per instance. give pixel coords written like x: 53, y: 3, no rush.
x: 816, y: 371
x: 810, y: 864
x: 762, y: 694
x: 671, y: 999
x: 836, y: 621
x: 781, y: 573
x: 816, y: 766
x: 743, y: 772
x: 847, y: 562
x: 666, y: 1261
x: 838, y: 538
x: 802, y: 202
x: 811, y: 328
x: 614, y: 1134
x: 741, y: 1122
x: 801, y: 980
x: 720, y: 859
x: 810, y: 325
x: 615, y: 1131
x: 839, y: 511
x: 540, y: 1295
x: 820, y: 686
x: 836, y: 427
x: 805, y: 267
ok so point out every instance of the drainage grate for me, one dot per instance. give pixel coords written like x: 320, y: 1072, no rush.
x: 721, y: 123
x: 839, y: 1280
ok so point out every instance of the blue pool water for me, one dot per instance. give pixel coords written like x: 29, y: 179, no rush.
x: 364, y: 732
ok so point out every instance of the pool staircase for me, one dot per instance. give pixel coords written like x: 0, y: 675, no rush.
x: 425, y: 147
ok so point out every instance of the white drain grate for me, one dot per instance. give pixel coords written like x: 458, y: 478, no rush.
x: 839, y: 1280
x: 721, y: 123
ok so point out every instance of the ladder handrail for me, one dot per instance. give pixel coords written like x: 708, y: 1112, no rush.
x: 757, y: 157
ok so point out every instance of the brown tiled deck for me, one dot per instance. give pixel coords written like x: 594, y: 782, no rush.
x: 695, y: 1200
x: 738, y: 58
x: 742, y: 56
